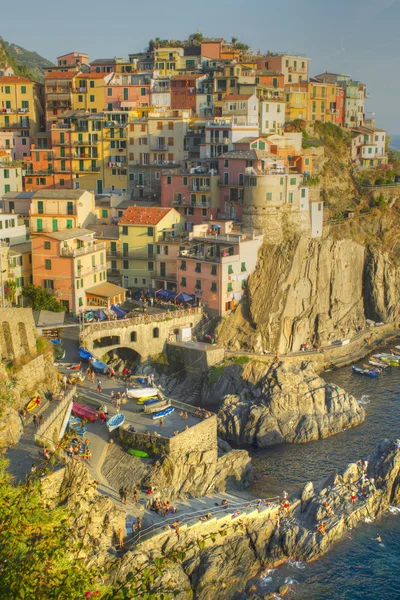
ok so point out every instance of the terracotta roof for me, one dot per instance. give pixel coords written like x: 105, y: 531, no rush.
x: 237, y: 96
x: 14, y: 79
x: 61, y: 75
x: 193, y: 76
x: 93, y: 75
x: 140, y: 215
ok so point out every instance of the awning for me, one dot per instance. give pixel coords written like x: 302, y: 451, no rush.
x: 184, y: 297
x: 118, y: 311
x: 166, y: 294
x: 106, y: 290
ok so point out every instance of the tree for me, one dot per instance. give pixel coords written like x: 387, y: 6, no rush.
x: 195, y: 39
x: 10, y: 287
x: 41, y: 299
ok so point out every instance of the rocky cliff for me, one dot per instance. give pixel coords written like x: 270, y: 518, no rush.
x: 283, y: 402
x: 218, y: 559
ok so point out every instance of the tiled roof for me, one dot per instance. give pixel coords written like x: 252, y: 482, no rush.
x: 140, y: 215
x: 14, y: 79
x: 93, y: 75
x: 68, y: 234
x: 61, y: 75
x: 59, y: 194
x: 192, y: 76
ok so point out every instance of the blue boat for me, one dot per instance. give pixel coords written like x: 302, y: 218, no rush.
x: 99, y: 366
x: 163, y: 413
x: 366, y: 372
x: 115, y: 421
x: 56, y: 341
x: 152, y: 401
x: 85, y: 354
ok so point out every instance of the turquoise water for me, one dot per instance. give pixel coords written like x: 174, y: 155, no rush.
x: 357, y: 567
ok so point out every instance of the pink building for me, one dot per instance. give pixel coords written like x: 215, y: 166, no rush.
x: 194, y: 193
x: 217, y: 264
x: 73, y: 59
x: 125, y: 90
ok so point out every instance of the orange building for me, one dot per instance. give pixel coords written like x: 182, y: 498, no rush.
x: 322, y: 101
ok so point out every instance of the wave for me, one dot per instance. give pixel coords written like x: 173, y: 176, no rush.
x: 394, y: 509
x: 368, y: 520
x: 364, y: 399
x: 297, y: 564
x: 291, y: 581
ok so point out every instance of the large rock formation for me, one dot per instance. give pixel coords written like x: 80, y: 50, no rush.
x: 218, y: 559
x: 289, y: 404
x: 305, y: 290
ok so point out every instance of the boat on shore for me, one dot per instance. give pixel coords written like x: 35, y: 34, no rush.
x: 367, y: 372
x: 378, y: 363
x: 164, y: 413
x: 32, y: 404
x: 140, y: 393
x: 85, y: 354
x: 99, y: 366
x: 85, y: 412
x: 139, y: 453
x: 115, y: 421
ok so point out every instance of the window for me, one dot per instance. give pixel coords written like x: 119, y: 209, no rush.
x: 150, y: 231
x: 47, y: 245
x: 290, y: 197
x: 91, y: 98
x: 307, y: 162
x: 80, y: 301
x: 91, y: 83
x: 185, y: 181
x: 6, y: 174
x: 203, y: 212
x: 47, y: 264
x: 198, y: 284
x: 150, y: 266
x: 125, y: 264
x: 48, y: 284
x: 23, y: 89
x: 213, y: 269
x: 80, y: 98
x: 159, y: 125
x: 230, y: 269
x: 7, y: 188
x: 303, y: 192
x: 319, y: 206
x: 134, y: 336
x: 170, y: 125
x: 183, y: 265
x: 104, y: 213
x: 253, y: 181
x: 69, y: 223
x: 156, y: 332
x: 198, y: 268
x: 39, y: 225
x: 125, y: 230
x: 169, y: 180
x: 269, y: 195
x: 109, y: 91
x: 293, y: 181
x: 230, y: 287
x: 7, y: 89
x: 183, y: 282
x: 243, y: 267
x: 213, y: 286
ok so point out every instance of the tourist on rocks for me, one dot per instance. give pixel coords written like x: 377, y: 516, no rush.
x: 33, y: 469
x: 139, y: 524
x: 135, y: 493
x: 125, y: 495
x: 99, y: 387
x: 133, y: 527
x: 353, y: 498
x: 120, y: 538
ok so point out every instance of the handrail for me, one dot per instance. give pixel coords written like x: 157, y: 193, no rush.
x: 93, y: 327
x: 54, y: 413
x: 185, y: 517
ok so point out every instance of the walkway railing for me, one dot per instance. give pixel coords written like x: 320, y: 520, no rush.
x: 141, y: 319
x: 53, y: 414
x: 218, y: 511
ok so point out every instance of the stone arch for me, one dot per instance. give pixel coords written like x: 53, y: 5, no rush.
x: 8, y: 340
x: 23, y: 338
x: 107, y: 340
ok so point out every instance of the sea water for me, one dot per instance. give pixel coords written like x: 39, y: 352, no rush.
x: 357, y: 567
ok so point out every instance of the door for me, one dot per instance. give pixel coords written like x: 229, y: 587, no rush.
x: 99, y: 186
x: 162, y: 269
x: 125, y: 281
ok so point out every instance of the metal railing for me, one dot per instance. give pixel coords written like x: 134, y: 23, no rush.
x: 220, y: 511
x: 55, y: 413
x: 73, y: 252
x: 95, y: 327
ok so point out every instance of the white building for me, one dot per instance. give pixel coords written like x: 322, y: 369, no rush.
x: 10, y: 231
x: 10, y: 178
x: 272, y: 116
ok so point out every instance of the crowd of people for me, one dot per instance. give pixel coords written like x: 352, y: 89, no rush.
x: 201, y: 413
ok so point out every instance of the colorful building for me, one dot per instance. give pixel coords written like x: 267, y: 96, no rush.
x: 10, y: 177
x: 216, y: 266
x: 368, y: 147
x: 58, y: 89
x: 322, y: 101
x: 69, y: 263
x: 57, y: 210
x: 140, y: 231
x: 294, y: 68
x: 128, y: 91
x: 296, y: 102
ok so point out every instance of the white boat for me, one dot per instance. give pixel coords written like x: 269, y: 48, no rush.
x: 141, y: 392
x: 378, y: 363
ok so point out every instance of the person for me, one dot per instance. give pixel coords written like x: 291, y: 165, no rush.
x: 162, y: 422
x: 105, y: 410
x: 118, y: 403
x: 285, y: 495
x: 99, y: 388
x: 118, y: 397
x: 112, y: 395
x: 41, y: 419
x: 70, y: 451
x: 64, y: 381
x: 378, y: 539
x: 135, y: 495
x: 353, y: 498
x: 102, y: 417
x: 120, y: 539
x: 139, y: 524
x: 46, y: 453
x: 36, y: 421
x: 93, y: 375
x: 111, y: 373
x: 125, y: 495
x: 225, y: 503
x: 133, y: 527
x: 149, y: 380
x: 33, y: 469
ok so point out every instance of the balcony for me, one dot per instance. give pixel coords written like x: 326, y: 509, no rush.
x: 83, y: 271
x: 132, y: 255
x: 73, y: 253
x: 36, y: 171
x: 159, y: 148
x: 15, y: 126
x: 199, y: 188
x: 80, y: 90
x: 87, y: 170
x: 207, y: 257
x: 231, y: 184
x: 166, y: 277
x: 188, y: 202
x: 60, y: 143
x: 85, y: 143
x: 62, y: 170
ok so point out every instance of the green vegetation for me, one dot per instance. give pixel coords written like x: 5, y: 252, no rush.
x: 194, y: 39
x: 24, y: 62
x: 41, y: 299
x: 10, y: 287
x: 240, y: 360
x: 214, y: 375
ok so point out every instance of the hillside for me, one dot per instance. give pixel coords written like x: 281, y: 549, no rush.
x: 24, y: 62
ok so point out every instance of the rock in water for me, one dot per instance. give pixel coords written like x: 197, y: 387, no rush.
x: 295, y: 405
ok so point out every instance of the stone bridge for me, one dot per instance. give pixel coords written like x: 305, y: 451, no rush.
x: 145, y: 334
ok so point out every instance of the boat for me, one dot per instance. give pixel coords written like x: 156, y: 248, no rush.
x: 56, y: 341
x: 134, y: 452
x: 152, y: 401
x: 378, y: 363
x: 85, y: 412
x: 115, y: 421
x: 367, y: 372
x: 141, y: 393
x: 145, y: 399
x: 85, y: 354
x: 74, y: 367
x: 99, y: 366
x: 163, y: 413
x: 32, y: 404
x: 395, y: 352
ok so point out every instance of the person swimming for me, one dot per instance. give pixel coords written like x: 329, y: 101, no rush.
x: 378, y: 539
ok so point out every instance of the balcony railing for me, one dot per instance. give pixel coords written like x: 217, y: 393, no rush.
x: 87, y: 170
x: 39, y: 172
x: 132, y: 254
x: 85, y: 143
x: 158, y: 147
x: 72, y: 253
x: 166, y: 276
x: 93, y: 269
x: 230, y: 184
x: 207, y: 257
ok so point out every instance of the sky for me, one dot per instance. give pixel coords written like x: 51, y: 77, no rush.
x: 356, y: 37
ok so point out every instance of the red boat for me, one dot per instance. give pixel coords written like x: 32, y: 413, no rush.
x: 84, y: 412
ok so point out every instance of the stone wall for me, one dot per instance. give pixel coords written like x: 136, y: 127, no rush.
x: 17, y: 333
x: 34, y: 377
x: 200, y: 438
x: 50, y: 431
x: 146, y: 335
x: 277, y: 224
x: 153, y: 445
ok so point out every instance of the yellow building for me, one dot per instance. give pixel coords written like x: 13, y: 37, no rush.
x: 21, y: 113
x: 296, y: 102
x: 88, y: 91
x: 57, y: 210
x: 109, y: 234
x: 141, y: 229
x: 58, y: 86
x: 167, y: 61
x: 322, y: 99
x: 19, y: 269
